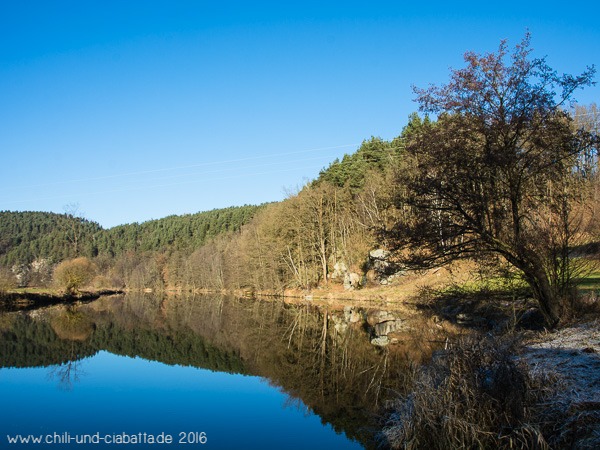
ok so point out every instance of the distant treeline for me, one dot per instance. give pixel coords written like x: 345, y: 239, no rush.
x: 29, y: 236
x: 32, y: 243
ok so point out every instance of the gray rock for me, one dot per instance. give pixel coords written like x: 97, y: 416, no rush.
x: 379, y: 261
x: 380, y: 341
x: 387, y: 327
x: 351, y: 281
x: 339, y: 270
x: 341, y: 327
x: 352, y: 315
x: 379, y: 253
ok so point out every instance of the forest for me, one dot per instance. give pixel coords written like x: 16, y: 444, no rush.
x: 498, y: 167
x: 33, y: 243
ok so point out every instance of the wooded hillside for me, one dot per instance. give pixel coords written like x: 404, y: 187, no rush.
x: 503, y: 175
x: 32, y: 243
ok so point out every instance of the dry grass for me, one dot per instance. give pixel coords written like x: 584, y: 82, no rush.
x: 583, y: 307
x: 474, y: 395
x: 568, y: 360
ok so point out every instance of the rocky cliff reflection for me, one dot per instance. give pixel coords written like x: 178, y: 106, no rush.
x: 323, y: 357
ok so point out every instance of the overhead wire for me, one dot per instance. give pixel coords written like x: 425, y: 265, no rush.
x: 139, y: 188
x: 245, y: 172
x: 166, y: 169
x: 208, y: 163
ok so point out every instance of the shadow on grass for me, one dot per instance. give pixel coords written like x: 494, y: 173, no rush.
x: 589, y: 283
x: 483, y: 308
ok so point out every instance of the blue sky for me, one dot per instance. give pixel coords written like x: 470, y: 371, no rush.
x: 141, y: 109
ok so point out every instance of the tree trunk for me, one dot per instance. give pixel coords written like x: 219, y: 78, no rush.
x: 548, y: 300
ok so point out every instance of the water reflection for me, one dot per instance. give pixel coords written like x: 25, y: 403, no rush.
x: 72, y: 324
x: 323, y: 359
x: 66, y: 374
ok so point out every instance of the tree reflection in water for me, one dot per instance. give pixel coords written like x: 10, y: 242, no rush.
x: 322, y: 358
x: 71, y: 325
x: 66, y: 374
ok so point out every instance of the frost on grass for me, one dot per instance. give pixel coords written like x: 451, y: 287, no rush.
x: 569, y: 360
x: 496, y: 392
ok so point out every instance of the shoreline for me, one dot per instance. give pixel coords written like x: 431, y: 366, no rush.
x: 22, y: 301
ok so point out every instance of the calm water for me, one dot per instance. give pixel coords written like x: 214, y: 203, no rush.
x: 211, y: 372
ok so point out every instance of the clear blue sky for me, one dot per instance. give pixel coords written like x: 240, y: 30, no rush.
x: 141, y: 109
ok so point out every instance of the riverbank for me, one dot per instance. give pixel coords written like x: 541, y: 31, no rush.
x: 562, y: 366
x: 404, y: 290
x: 24, y: 299
x: 531, y: 390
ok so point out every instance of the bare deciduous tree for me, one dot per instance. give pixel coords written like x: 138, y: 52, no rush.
x: 496, y: 171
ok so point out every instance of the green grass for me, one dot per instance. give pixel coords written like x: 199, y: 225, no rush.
x: 589, y: 283
x: 586, y: 284
x: 502, y: 286
x: 35, y: 290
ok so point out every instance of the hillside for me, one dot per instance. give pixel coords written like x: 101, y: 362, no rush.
x: 26, y: 237
x: 187, y: 232
x: 280, y: 248
x: 29, y: 236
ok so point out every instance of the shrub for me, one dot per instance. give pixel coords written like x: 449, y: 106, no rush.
x: 73, y: 274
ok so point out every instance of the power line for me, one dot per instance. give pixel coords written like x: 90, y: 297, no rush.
x: 204, y: 164
x: 139, y: 188
x: 230, y: 169
x: 189, y: 166
x: 140, y: 183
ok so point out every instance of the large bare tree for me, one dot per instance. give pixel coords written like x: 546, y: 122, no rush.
x: 495, y: 173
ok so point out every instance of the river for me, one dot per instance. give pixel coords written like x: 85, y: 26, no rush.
x: 202, y: 372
